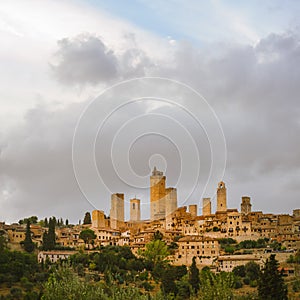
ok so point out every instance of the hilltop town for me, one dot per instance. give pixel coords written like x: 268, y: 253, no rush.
x: 192, y: 235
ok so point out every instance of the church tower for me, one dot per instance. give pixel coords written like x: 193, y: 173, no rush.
x: 221, y: 197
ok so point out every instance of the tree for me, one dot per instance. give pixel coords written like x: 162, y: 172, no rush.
x: 252, y: 270
x: 155, y: 253
x: 67, y: 222
x: 216, y: 286
x: 271, y: 284
x: 32, y: 220
x: 28, y: 243
x: 168, y: 284
x: 239, y: 271
x: 157, y: 235
x: 87, y: 218
x: 49, y: 237
x: 3, y: 243
x: 88, y: 235
x: 194, y: 279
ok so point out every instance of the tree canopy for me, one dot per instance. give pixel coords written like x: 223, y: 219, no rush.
x: 28, y: 243
x: 271, y: 284
x: 88, y: 235
x: 87, y: 218
x: 156, y: 252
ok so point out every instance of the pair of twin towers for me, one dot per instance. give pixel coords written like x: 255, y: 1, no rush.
x: 163, y: 202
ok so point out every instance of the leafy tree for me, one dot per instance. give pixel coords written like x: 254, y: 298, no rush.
x: 87, y: 218
x: 252, y: 270
x: 229, y: 249
x: 194, y: 279
x: 3, y: 243
x: 155, y: 253
x: 239, y: 271
x: 271, y: 284
x: 65, y: 284
x: 88, y: 235
x: 32, y: 220
x: 168, y: 284
x: 67, y: 222
x: 183, y: 288
x: 28, y: 243
x: 216, y: 286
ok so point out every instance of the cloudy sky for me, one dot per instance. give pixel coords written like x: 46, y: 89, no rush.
x: 95, y: 93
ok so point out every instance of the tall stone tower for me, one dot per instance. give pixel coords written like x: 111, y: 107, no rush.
x: 157, y: 195
x: 206, y: 207
x: 221, y: 197
x: 245, y: 205
x: 135, y: 210
x: 116, y: 210
x: 170, y: 201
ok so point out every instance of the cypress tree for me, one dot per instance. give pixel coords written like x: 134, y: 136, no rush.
x: 194, y: 279
x: 51, y: 233
x: 49, y: 237
x: 271, y: 284
x: 87, y: 218
x: 28, y: 243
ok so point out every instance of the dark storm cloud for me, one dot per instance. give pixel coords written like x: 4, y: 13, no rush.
x: 253, y: 89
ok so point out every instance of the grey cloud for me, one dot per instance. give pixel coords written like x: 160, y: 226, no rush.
x: 253, y: 89
x: 85, y: 59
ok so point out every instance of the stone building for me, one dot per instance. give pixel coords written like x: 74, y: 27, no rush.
x: 227, y: 263
x: 205, y: 249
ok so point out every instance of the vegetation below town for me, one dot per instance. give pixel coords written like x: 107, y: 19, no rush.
x: 114, y: 272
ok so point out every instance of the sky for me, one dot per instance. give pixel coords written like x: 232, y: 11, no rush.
x: 95, y: 93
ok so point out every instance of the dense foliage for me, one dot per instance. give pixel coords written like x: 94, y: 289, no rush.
x: 87, y: 218
x: 49, y: 237
x: 28, y: 243
x: 114, y: 272
x: 271, y: 284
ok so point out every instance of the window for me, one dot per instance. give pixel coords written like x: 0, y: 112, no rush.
x: 133, y: 205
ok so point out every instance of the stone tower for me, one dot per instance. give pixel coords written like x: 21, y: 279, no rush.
x: 157, y: 195
x: 98, y: 219
x: 246, y: 205
x: 170, y: 201
x: 135, y: 210
x: 221, y: 197
x: 206, y: 207
x: 193, y: 210
x: 116, y: 210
